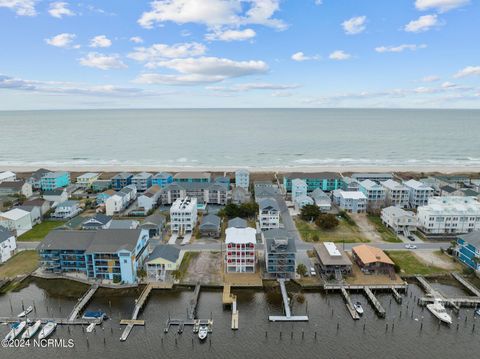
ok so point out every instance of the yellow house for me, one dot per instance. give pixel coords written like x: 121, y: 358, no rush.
x: 86, y: 180
x: 162, y: 261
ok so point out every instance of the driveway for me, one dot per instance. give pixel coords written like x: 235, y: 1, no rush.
x: 367, y: 229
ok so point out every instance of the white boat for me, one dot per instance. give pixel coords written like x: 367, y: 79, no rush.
x: 47, y: 330
x: 202, y: 332
x: 477, y: 312
x: 358, y: 307
x: 25, y: 312
x: 32, y: 330
x: 90, y: 327
x: 439, y: 311
x: 16, y: 330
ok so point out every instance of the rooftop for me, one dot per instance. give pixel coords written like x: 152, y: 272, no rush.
x: 6, y: 174
x: 122, y: 175
x: 193, y: 175
x: 240, y: 235
x: 393, y: 185
x: 329, y: 254
x: 278, y: 240
x: 417, y: 185
x: 165, y: 251
x: 237, y: 222
x: 472, y: 238
x: 350, y: 194
x: 267, y: 203
x: 369, y: 254
x: 316, y: 175
x: 89, y: 175
x: 14, y: 214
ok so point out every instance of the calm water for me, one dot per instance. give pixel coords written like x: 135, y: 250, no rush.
x: 406, y: 340
x: 232, y: 138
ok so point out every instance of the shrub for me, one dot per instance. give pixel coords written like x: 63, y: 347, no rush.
x: 327, y: 221
x: 302, y: 269
x: 309, y: 212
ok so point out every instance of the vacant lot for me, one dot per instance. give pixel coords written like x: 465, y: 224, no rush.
x: 411, y: 264
x: 203, y: 267
x: 343, y: 233
x: 375, y: 225
x: 22, y: 263
x: 40, y: 231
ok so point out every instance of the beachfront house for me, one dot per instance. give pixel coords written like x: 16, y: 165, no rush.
x: 98, y: 221
x: 163, y: 260
x: 332, y: 260
x: 374, y: 192
x: 161, y: 179
x: 204, y: 192
x: 54, y: 180
x: 36, y: 177
x: 399, y: 220
x: 350, y: 201
x: 372, y: 260
x: 121, y: 180
x: 66, y: 210
x: 468, y: 249
x: 242, y: 178
x: 16, y: 188
x: 210, y: 226
x: 396, y: 194
x: 418, y: 193
x: 322, y: 200
x: 108, y: 254
x: 223, y: 181
x: 183, y: 215
x: 326, y: 181
x: 375, y: 177
x: 280, y: 253
x: 8, y: 244
x: 101, y: 185
x: 350, y: 184
x: 449, y: 215
x: 299, y: 188
x: 142, y: 181
x: 86, y: 180
x: 192, y: 177
x: 268, y: 214
x: 7, y: 176
x: 16, y: 220
x: 240, y: 250
x: 55, y: 196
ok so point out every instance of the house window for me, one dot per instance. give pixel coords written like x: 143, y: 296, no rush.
x: 125, y: 261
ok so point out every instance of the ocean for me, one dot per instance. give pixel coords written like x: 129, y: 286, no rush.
x: 253, y: 138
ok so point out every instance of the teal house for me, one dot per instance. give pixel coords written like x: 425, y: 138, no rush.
x: 326, y: 181
x: 54, y: 180
x: 468, y: 249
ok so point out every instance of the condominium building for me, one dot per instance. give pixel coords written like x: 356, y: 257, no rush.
x: 445, y: 215
x: 53, y: 180
x: 121, y: 180
x: 242, y: 178
x: 350, y: 201
x: 7, y: 176
x: 183, y: 215
x: 299, y: 188
x: 240, y: 250
x: 399, y: 220
x: 418, y: 193
x: 162, y: 179
x: 373, y: 191
x: 468, y: 249
x: 142, y: 181
x: 201, y: 177
x: 204, y: 192
x: 396, y: 194
x: 326, y: 181
x: 269, y: 213
x: 375, y: 177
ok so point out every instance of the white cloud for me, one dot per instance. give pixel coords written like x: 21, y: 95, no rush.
x: 318, y: 2
x: 431, y: 78
x: 253, y: 86
x: 61, y: 40
x: 339, y: 55
x: 100, y: 41
x: 21, y: 7
x: 201, y: 70
x: 213, y: 13
x: 158, y: 52
x: 136, y: 39
x: 423, y: 23
x: 231, y: 35
x: 448, y: 84
x: 355, y: 25
x: 440, y: 5
x: 300, y: 56
x: 399, y: 48
x: 102, y: 62
x: 59, y: 9
x: 468, y: 71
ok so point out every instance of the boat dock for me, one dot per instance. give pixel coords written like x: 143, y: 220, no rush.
x: 349, y: 304
x: 288, y: 317
x: 456, y: 302
x: 82, y: 302
x: 192, y: 309
x: 374, y: 301
x: 397, y: 296
x: 229, y: 299
x: 428, y: 287
x: 433, y: 294
x: 59, y: 321
x: 471, y: 288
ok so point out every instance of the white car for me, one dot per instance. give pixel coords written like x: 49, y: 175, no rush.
x: 410, y: 246
x: 312, y: 272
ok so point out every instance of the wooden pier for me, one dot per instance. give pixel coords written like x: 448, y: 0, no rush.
x: 456, y: 302
x: 428, y: 287
x: 349, y: 304
x: 397, y: 296
x: 82, y: 302
x: 59, y: 321
x: 192, y: 309
x: 288, y: 317
x: 471, y: 288
x: 374, y: 301
x: 401, y: 287
x: 229, y: 299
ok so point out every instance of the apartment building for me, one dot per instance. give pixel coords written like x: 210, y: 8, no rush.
x: 418, y: 193
x: 240, y: 250
x: 183, y: 215
x: 396, y: 194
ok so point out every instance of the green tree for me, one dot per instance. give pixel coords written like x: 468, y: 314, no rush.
x: 309, y: 212
x: 302, y: 269
x: 327, y: 221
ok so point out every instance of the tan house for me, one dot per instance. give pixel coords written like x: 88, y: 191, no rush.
x: 372, y: 260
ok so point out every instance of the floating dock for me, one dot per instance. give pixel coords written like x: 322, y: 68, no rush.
x: 82, y: 302
x: 349, y: 304
x: 375, y: 303
x: 288, y: 317
x: 471, y: 288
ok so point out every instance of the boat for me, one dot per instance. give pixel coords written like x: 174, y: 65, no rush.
x: 25, y: 312
x: 94, y: 315
x: 477, y: 312
x: 202, y: 332
x: 438, y: 310
x: 47, y: 330
x: 16, y: 329
x: 32, y: 330
x: 91, y: 327
x: 358, y: 307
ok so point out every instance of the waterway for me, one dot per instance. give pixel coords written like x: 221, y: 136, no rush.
x: 408, y: 331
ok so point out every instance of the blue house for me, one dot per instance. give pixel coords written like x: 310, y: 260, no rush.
x: 326, y: 181
x: 468, y: 249
x: 223, y: 181
x: 121, y: 180
x: 53, y: 180
x: 280, y: 253
x: 162, y: 179
x: 107, y: 254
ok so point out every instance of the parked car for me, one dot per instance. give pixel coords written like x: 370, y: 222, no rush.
x: 412, y: 238
x: 410, y: 246
x: 312, y: 271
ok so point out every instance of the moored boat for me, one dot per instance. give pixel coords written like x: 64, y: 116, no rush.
x: 358, y: 307
x: 202, y: 332
x: 16, y: 329
x: 91, y: 327
x: 25, y: 312
x: 438, y: 310
x: 94, y: 315
x: 47, y: 330
x: 32, y: 330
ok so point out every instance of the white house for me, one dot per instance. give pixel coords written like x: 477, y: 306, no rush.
x: 183, y: 215
x: 56, y: 196
x: 35, y: 213
x: 399, y: 220
x: 322, y: 200
x: 446, y: 215
x: 301, y: 201
x: 67, y: 209
x: 150, y: 198
x: 418, y: 193
x: 350, y: 201
x: 242, y: 178
x: 8, y: 244
x: 16, y: 220
x: 299, y: 189
x: 7, y: 176
x: 16, y: 188
x: 240, y: 250
x: 114, y: 204
x: 269, y: 213
x: 86, y: 180
x: 374, y: 192
x: 397, y: 194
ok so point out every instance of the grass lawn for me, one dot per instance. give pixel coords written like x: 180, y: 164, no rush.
x: 187, y: 258
x: 386, y: 234
x: 40, y: 231
x: 410, y: 264
x: 21, y: 263
x: 343, y: 233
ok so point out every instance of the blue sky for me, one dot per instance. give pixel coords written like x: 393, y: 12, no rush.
x: 239, y: 53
